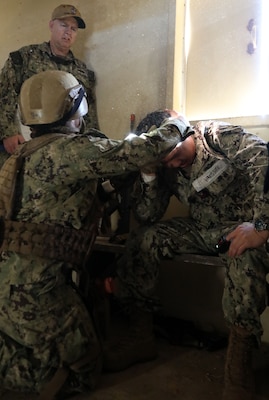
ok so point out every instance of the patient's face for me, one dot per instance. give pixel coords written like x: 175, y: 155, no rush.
x: 182, y: 156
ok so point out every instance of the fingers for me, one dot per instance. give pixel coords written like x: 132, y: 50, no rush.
x: 245, y: 237
x: 11, y: 143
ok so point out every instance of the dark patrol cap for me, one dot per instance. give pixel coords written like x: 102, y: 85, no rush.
x: 67, y: 10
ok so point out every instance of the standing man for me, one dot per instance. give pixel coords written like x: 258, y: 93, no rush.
x: 55, y: 54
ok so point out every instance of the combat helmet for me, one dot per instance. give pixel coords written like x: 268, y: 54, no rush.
x: 51, y: 97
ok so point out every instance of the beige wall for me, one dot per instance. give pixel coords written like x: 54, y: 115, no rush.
x: 129, y: 44
x: 131, y: 50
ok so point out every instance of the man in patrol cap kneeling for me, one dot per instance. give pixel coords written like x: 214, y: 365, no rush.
x: 49, y: 212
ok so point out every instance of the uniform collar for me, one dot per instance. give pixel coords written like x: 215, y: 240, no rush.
x: 45, y: 47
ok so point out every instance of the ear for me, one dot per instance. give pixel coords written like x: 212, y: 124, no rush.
x: 51, y: 23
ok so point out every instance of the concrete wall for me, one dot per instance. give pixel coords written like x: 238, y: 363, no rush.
x: 129, y: 44
x: 131, y: 50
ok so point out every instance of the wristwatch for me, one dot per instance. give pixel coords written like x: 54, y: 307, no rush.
x: 261, y: 225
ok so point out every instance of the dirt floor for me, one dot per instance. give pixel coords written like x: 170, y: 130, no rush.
x: 189, y: 367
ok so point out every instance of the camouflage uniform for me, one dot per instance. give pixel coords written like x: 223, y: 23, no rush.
x: 43, y: 323
x: 30, y: 60
x: 234, y: 195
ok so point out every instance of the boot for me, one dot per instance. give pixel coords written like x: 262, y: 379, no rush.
x: 239, y: 377
x: 135, y: 344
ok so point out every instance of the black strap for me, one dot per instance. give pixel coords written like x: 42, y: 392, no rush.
x: 266, y: 180
x: 76, y: 105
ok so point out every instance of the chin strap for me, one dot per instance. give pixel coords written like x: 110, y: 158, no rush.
x: 266, y: 179
x: 75, y: 107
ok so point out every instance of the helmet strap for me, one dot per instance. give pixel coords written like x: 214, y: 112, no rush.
x: 75, y: 107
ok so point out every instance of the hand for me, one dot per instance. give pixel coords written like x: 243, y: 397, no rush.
x: 245, y: 237
x: 176, y: 114
x: 12, y: 142
x: 182, y: 156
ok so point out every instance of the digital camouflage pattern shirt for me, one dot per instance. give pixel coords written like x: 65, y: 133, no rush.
x: 59, y: 182
x: 42, y: 319
x: 30, y: 60
x: 225, y: 185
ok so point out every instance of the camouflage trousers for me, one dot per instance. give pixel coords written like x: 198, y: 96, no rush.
x: 43, y: 327
x: 244, y: 297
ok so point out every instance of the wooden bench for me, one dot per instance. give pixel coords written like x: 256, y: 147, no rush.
x: 168, y: 293
x: 102, y: 243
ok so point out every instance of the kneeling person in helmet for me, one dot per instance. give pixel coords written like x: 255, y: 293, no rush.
x: 47, y: 204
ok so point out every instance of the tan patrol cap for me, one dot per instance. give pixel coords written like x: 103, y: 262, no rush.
x: 67, y: 10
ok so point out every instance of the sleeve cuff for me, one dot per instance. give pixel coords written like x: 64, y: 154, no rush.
x: 147, y: 178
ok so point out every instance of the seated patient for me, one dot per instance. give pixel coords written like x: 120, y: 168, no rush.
x: 219, y: 171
